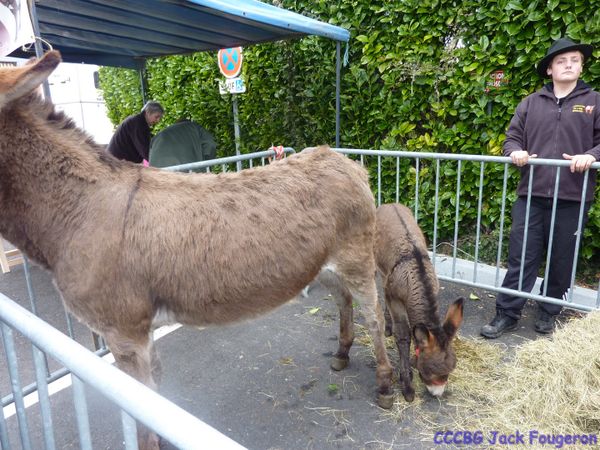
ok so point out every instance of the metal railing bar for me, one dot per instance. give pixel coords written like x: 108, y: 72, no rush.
x: 30, y: 293
x: 4, y: 443
x: 435, y: 208
x: 578, y: 234
x: 54, y: 376
x: 378, y: 180
x: 156, y: 412
x: 129, y: 431
x: 551, y: 235
x: 40, y: 362
x: 417, y: 180
x: 501, y: 230
x: 454, y: 156
x: 456, y: 217
x: 526, y: 228
x: 81, y: 413
x: 226, y: 160
x: 478, y: 227
x: 70, y: 328
x: 397, y: 180
x: 528, y: 295
x: 32, y: 299
x: 13, y: 369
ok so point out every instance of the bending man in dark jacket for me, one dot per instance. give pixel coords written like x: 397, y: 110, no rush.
x: 131, y: 140
x: 560, y: 121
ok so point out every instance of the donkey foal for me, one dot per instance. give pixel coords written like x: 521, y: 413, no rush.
x: 411, y: 290
x: 129, y: 246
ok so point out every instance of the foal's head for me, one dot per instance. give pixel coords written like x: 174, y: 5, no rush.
x: 435, y: 357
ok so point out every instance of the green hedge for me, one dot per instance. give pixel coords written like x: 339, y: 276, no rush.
x: 415, y: 80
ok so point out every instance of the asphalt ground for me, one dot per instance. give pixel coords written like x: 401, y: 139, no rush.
x: 266, y: 383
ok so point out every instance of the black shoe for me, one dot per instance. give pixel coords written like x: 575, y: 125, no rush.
x: 544, y: 322
x: 498, y: 325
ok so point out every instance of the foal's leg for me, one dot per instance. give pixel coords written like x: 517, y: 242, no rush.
x: 134, y: 355
x: 343, y: 298
x: 388, y: 320
x: 401, y: 330
x: 386, y: 311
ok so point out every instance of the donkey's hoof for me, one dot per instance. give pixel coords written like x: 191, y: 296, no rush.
x: 408, y: 392
x: 385, y: 401
x: 409, y: 395
x: 339, y: 363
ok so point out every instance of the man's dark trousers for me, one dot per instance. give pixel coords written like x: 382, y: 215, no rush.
x: 563, y: 251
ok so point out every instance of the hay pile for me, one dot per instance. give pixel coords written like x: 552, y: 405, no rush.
x: 550, y: 385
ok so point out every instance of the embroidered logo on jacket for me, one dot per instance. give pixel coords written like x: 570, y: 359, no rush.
x: 588, y: 109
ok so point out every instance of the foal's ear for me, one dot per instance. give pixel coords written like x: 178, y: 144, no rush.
x: 424, y: 339
x: 20, y: 81
x: 454, y: 318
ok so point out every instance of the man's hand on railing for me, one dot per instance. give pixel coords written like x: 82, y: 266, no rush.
x: 580, y: 163
x: 520, y: 157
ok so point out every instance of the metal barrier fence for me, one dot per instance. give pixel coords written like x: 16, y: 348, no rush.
x: 452, y: 167
x: 426, y: 181
x: 135, y: 400
x: 224, y: 164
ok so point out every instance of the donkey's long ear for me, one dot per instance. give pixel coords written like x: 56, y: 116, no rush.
x: 17, y: 82
x: 424, y: 339
x: 454, y: 318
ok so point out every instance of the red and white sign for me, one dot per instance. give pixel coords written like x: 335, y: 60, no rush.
x: 496, y: 80
x: 230, y: 61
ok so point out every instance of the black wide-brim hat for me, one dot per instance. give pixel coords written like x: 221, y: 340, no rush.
x: 562, y: 45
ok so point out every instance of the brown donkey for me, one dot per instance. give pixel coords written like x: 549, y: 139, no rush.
x: 131, y: 246
x: 411, y: 289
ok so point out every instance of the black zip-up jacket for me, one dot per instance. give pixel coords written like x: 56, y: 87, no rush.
x: 545, y: 126
x: 131, y: 140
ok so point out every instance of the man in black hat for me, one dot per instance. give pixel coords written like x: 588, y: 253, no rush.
x: 560, y: 121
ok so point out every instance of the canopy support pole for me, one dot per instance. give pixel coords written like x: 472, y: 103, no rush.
x: 338, y: 70
x: 39, y: 51
x: 143, y: 82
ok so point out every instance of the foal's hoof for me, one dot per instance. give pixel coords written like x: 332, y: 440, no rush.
x: 409, y: 395
x: 339, y: 363
x: 385, y: 401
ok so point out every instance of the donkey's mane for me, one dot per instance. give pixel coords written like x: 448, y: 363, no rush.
x: 414, y: 260
x: 64, y: 126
